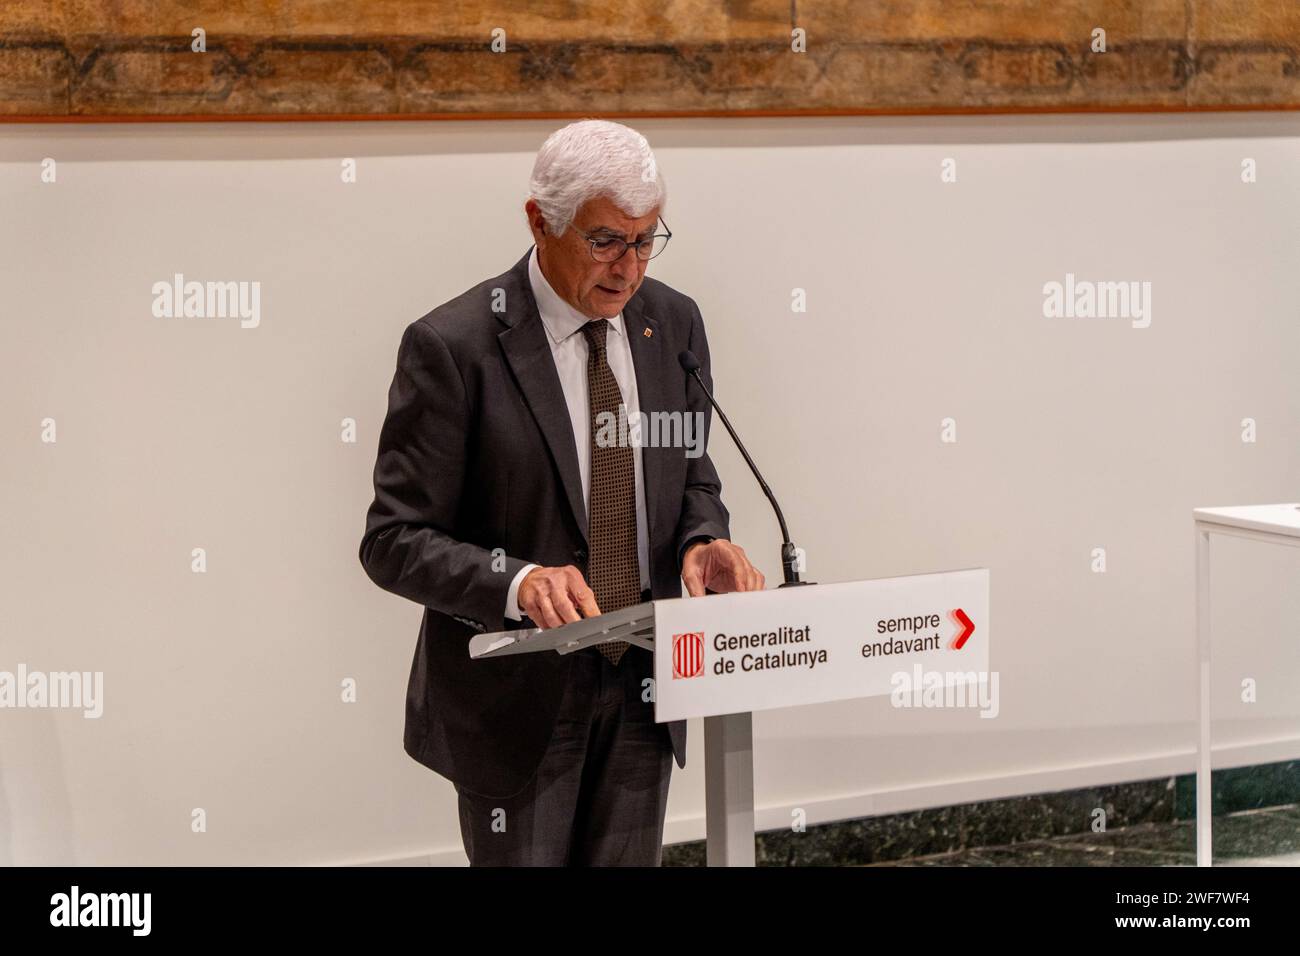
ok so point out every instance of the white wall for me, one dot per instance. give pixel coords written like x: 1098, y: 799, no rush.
x: 924, y: 302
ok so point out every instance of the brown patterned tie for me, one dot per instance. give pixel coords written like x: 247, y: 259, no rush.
x: 613, y: 571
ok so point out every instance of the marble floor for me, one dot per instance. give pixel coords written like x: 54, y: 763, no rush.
x: 1266, y: 837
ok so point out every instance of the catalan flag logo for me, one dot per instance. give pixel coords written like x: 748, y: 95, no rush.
x: 688, y: 654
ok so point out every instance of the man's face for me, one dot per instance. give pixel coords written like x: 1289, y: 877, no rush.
x: 598, y: 290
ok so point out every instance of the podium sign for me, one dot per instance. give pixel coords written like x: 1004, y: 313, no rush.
x: 757, y: 650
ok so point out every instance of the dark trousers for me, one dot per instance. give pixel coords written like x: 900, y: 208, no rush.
x: 601, y: 791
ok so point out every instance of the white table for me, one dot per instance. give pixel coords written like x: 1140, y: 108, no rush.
x: 1271, y: 524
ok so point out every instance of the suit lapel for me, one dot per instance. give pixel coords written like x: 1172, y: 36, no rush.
x: 651, y: 376
x: 529, y: 354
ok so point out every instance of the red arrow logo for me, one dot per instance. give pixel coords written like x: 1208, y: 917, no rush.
x: 967, y: 628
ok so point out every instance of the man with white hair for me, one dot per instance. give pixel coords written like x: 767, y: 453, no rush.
x: 501, y: 501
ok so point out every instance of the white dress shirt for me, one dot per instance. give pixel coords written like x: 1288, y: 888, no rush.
x: 569, y: 349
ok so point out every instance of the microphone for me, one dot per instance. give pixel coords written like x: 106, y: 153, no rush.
x: 789, y: 557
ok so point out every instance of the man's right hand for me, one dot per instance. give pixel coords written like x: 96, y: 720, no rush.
x: 555, y: 596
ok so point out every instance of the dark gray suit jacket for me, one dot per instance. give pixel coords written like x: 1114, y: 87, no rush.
x: 477, y: 475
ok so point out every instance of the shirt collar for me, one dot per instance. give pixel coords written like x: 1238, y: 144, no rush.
x: 560, y: 318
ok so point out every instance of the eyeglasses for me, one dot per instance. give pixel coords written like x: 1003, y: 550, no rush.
x: 610, y: 249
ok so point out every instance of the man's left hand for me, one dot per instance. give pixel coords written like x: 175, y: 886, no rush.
x: 719, y: 566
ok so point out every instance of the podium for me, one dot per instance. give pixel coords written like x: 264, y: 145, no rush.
x: 723, y: 656
x: 1269, y: 524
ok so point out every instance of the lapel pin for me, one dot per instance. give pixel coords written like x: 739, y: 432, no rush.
x: 647, y: 333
